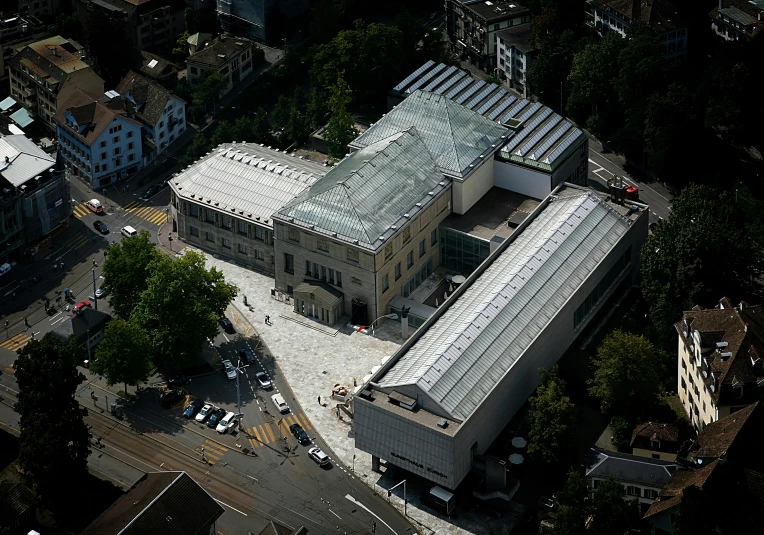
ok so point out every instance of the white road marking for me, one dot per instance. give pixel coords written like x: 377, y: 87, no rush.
x: 232, y: 508
x: 335, y: 514
x: 359, y: 504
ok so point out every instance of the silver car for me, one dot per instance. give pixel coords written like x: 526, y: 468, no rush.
x: 264, y: 380
x: 208, y: 409
x: 230, y: 371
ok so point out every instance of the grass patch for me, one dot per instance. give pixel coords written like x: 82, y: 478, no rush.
x: 126, y: 395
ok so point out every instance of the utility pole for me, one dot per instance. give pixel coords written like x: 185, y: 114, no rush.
x: 95, y: 297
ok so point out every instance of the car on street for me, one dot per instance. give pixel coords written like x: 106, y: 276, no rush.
x: 79, y: 306
x: 264, y: 380
x: 215, y: 417
x: 228, y: 421
x: 230, y: 371
x: 150, y: 192
x: 281, y: 405
x: 193, y: 408
x: 95, y: 206
x: 246, y: 355
x: 171, y: 397
x: 100, y: 292
x: 101, y: 227
x: 227, y: 325
x: 319, y: 456
x: 205, y: 413
x: 177, y: 380
x: 299, y: 433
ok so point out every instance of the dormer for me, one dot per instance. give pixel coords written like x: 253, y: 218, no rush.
x: 737, y: 389
x: 756, y: 361
x: 72, y: 123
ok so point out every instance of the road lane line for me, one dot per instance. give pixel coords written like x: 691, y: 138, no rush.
x: 359, y: 504
x: 335, y: 514
x: 232, y: 508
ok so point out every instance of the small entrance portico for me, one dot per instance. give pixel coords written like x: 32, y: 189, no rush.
x: 320, y: 301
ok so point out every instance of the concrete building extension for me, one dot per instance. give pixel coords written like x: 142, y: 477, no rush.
x: 99, y: 140
x: 162, y: 113
x: 436, y: 406
x: 35, y: 197
x: 45, y: 74
x: 514, y: 56
x: 265, y: 21
x: 720, y: 364
x: 225, y: 202
x: 471, y: 26
x: 618, y: 15
x: 231, y: 57
x: 738, y: 20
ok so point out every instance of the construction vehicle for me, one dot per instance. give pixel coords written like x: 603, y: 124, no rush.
x: 620, y: 191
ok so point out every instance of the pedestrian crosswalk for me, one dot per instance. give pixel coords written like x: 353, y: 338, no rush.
x: 81, y: 210
x: 266, y: 434
x: 15, y: 342
x: 212, y: 452
x: 147, y: 213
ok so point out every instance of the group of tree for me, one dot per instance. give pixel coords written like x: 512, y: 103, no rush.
x: 166, y: 309
x: 551, y: 421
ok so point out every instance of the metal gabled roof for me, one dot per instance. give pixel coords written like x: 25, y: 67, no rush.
x: 364, y: 197
x: 453, y: 134
x: 466, y: 352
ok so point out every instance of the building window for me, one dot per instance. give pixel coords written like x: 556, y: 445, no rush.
x: 116, y: 150
x: 130, y: 134
x: 227, y: 243
x: 397, y: 271
x: 410, y: 259
x: 339, y: 278
x: 130, y: 146
x: 307, y: 268
x: 103, y: 144
x: 115, y: 139
x: 315, y: 270
x: 385, y: 284
x: 323, y: 273
x: 422, y: 249
x: 434, y: 237
x: 117, y: 162
x: 193, y: 211
x: 193, y: 231
x: 260, y: 233
x: 652, y: 493
x: 242, y: 228
x: 331, y: 275
x: 289, y: 263
x: 737, y: 391
x: 210, y: 216
x: 226, y: 222
x: 633, y: 491
x: 259, y: 255
x: 104, y: 155
x: 242, y: 249
x: 130, y: 157
x: 210, y: 236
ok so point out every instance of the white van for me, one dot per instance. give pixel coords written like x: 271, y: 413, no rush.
x: 129, y: 231
x: 281, y: 405
x: 5, y: 268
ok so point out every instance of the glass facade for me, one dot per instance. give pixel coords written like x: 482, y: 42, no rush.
x: 418, y: 278
x: 461, y: 252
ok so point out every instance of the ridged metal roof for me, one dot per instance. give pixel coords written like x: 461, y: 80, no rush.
x: 453, y: 134
x: 368, y: 195
x: 467, y: 351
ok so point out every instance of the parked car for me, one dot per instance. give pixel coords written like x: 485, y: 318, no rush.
x: 101, y: 292
x: 215, y: 417
x: 246, y: 355
x: 227, y: 325
x: 205, y: 413
x: 299, y: 433
x: 79, y: 306
x: 319, y: 456
x: 193, y: 408
x: 230, y: 371
x: 150, y: 192
x: 101, y: 227
x: 228, y: 421
x: 264, y: 380
x: 171, y: 397
x: 177, y: 380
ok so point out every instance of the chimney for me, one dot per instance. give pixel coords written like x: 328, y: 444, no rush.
x: 405, y: 322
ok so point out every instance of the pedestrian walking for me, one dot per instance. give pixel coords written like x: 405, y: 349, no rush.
x: 95, y: 263
x: 26, y: 322
x: 62, y: 266
x: 55, y: 267
x: 319, y: 400
x: 267, y: 319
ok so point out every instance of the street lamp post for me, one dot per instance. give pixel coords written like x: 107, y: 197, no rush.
x: 388, y: 316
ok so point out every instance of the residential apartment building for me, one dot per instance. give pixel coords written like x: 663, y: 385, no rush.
x: 36, y: 8
x: 738, y: 20
x: 35, y: 197
x: 45, y: 74
x: 229, y: 56
x: 655, y: 440
x: 13, y: 28
x: 471, y: 26
x: 617, y: 15
x: 98, y: 140
x: 265, y: 21
x: 162, y: 114
x: 720, y: 364
x: 224, y: 203
x: 147, y: 22
x: 642, y: 478
x: 514, y: 56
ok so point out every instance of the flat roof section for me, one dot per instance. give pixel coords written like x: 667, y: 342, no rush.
x: 491, y: 215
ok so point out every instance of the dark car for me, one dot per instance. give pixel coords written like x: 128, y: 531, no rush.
x: 227, y: 325
x: 101, y: 227
x: 193, y: 408
x: 177, y: 380
x: 171, y: 397
x: 299, y: 433
x: 215, y: 417
x: 150, y: 192
x: 247, y: 356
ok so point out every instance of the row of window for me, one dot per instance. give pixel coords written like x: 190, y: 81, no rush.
x: 323, y: 273
x: 115, y: 139
x: 226, y: 222
x: 632, y: 490
x: 226, y: 243
x: 409, y: 260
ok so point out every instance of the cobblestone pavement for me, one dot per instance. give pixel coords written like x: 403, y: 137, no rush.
x: 313, y: 358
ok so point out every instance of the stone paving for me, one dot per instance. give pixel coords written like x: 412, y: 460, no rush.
x: 313, y: 358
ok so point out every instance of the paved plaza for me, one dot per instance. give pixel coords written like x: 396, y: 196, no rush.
x: 314, y: 358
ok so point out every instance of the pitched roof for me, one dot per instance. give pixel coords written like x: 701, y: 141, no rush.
x: 671, y: 495
x: 718, y: 438
x: 732, y: 340
x: 161, y: 503
x: 745, y: 12
x: 95, y: 114
x: 519, y: 36
x: 87, y: 320
x: 629, y: 468
x: 457, y: 138
x: 666, y: 434
x: 156, y: 67
x: 364, y: 198
x: 25, y: 159
x: 148, y: 97
x: 220, y: 51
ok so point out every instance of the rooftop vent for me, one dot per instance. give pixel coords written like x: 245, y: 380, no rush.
x: 442, y: 423
x: 721, y: 345
x: 726, y: 355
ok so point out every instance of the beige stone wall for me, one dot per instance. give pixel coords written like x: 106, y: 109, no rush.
x: 663, y: 456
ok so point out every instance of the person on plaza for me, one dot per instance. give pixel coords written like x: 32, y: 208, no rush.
x: 319, y: 400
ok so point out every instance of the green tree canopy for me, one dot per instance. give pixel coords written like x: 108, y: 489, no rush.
x: 207, y: 92
x: 109, y: 61
x: 126, y: 271
x: 625, y: 375
x: 54, y: 438
x: 696, y: 513
x: 552, y: 421
x: 611, y: 513
x: 180, y: 308
x: 571, y: 516
x: 124, y: 354
x: 68, y: 25
x: 705, y: 250
x: 341, y: 128
x: 198, y: 147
